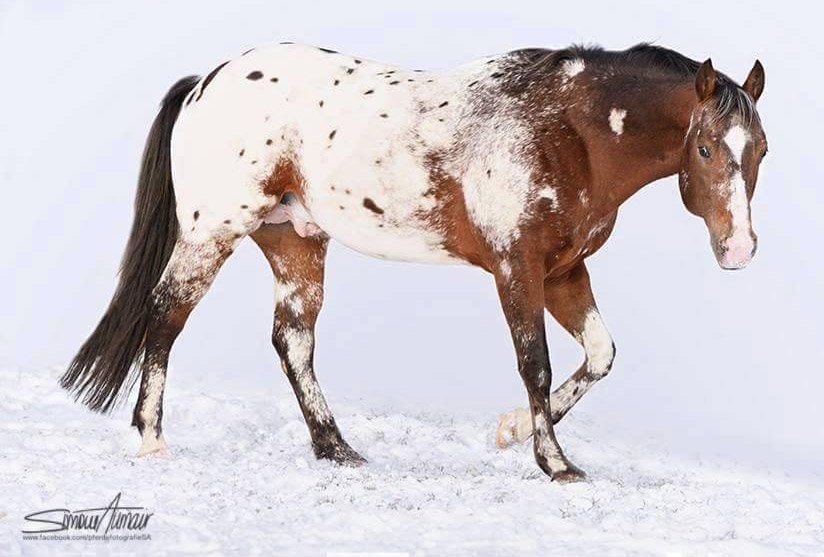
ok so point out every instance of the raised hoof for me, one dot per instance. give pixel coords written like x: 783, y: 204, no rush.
x: 571, y: 475
x: 513, y: 427
x: 343, y: 455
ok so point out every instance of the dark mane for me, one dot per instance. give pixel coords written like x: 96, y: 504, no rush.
x: 647, y: 58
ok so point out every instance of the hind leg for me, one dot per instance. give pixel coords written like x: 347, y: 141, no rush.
x: 188, y: 275
x: 298, y: 265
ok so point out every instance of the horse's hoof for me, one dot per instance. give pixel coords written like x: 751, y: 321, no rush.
x: 154, y: 447
x: 572, y: 474
x: 513, y: 427
x: 343, y: 455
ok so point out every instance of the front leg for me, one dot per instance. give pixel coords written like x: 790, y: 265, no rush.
x: 521, y: 291
x: 571, y: 303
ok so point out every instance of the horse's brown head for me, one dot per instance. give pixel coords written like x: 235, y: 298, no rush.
x: 719, y: 167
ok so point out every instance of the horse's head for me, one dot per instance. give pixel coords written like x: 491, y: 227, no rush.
x: 719, y: 167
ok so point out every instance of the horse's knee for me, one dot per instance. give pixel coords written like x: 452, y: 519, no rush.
x: 600, y: 364
x: 598, y: 344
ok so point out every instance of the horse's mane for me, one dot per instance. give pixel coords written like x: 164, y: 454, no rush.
x: 649, y: 58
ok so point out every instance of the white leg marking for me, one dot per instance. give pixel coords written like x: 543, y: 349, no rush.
x: 299, y: 354
x: 597, y: 343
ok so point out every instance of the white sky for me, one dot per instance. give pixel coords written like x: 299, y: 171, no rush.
x: 708, y: 362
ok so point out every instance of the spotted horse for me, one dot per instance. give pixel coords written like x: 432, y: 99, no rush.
x: 516, y: 163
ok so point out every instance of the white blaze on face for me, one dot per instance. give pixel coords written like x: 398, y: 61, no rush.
x: 739, y: 245
x: 616, y: 120
x: 736, y: 139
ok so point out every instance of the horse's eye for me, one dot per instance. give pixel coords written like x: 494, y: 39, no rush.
x: 704, y: 151
x: 763, y: 153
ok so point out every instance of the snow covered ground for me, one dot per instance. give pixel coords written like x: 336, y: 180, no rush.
x: 243, y: 481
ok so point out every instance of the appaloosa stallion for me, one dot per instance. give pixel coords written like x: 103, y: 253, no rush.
x: 516, y: 164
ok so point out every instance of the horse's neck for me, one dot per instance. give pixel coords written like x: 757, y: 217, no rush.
x: 646, y: 140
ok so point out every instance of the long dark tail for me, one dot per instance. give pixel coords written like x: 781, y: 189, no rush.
x: 109, y: 356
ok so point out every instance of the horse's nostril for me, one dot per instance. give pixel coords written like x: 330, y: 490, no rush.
x: 722, y: 247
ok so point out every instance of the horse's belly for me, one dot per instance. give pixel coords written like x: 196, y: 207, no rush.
x: 373, y: 220
x: 365, y: 226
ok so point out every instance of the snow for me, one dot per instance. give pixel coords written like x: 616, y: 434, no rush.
x: 242, y: 480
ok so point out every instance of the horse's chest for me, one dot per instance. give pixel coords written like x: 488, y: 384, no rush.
x: 585, y: 236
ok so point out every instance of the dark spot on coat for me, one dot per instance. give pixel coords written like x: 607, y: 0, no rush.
x: 244, y: 206
x: 350, y: 70
x: 430, y: 80
x: 410, y: 79
x: 274, y: 79
x: 369, y: 92
x: 268, y: 142
x: 196, y: 215
x: 341, y: 207
x: 241, y: 152
x: 357, y: 61
x: 369, y: 204
x: 575, y: 391
x: 332, y: 188
x: 287, y: 42
x: 394, y: 82
x: 443, y: 104
x: 209, y: 79
x: 254, y: 161
x: 227, y: 221
x: 332, y: 134
x: 336, y: 83
x: 327, y: 50
x: 419, y: 71
x: 473, y: 84
x: 320, y: 104
x: 348, y: 191
x: 488, y: 172
x: 384, y: 115
x: 255, y: 75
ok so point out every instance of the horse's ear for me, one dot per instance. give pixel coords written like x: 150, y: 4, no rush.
x: 705, y: 80
x: 754, y: 85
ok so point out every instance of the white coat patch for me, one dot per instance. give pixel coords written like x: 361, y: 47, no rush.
x: 551, y: 194
x: 574, y: 67
x: 616, y: 120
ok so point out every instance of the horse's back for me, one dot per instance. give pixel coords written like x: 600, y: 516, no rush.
x: 353, y: 135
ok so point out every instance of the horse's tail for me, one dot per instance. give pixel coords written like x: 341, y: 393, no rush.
x: 115, y: 348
